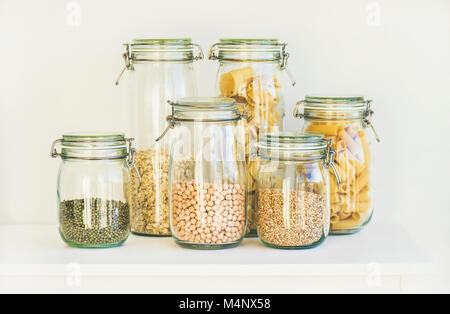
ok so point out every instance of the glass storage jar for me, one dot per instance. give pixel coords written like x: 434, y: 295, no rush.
x: 93, y: 188
x: 160, y: 69
x: 345, y: 119
x: 250, y: 72
x: 293, y: 189
x: 207, y: 173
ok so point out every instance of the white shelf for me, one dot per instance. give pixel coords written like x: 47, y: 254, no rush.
x: 379, y: 259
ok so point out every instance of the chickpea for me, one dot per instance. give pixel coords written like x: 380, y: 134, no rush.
x: 210, y: 213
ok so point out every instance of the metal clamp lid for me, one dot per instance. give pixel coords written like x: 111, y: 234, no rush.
x: 171, y: 119
x: 131, y: 153
x: 366, y: 115
x: 130, y: 150
x: 129, y: 65
x: 284, y: 56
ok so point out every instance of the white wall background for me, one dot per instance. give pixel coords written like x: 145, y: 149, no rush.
x: 59, y: 60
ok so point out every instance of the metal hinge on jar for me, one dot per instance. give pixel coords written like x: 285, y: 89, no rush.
x: 329, y: 161
x: 298, y: 109
x: 283, y: 63
x: 127, y: 60
x: 131, y: 156
x: 367, y: 121
x: 170, y: 120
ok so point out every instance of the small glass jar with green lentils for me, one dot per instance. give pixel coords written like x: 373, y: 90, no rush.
x: 94, y: 188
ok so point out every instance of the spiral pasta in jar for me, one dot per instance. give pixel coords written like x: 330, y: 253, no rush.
x: 249, y: 72
x: 207, y: 173
x: 345, y: 120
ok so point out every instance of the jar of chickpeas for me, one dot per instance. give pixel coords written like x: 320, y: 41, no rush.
x: 207, y: 173
x: 250, y: 71
x: 345, y: 120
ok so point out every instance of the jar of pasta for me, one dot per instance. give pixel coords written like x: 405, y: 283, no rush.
x: 293, y: 189
x: 207, y: 173
x: 158, y: 70
x: 250, y: 72
x: 345, y: 119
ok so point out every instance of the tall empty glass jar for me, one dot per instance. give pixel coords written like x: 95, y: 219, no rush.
x: 293, y: 189
x: 93, y: 188
x: 345, y: 120
x: 160, y: 69
x: 250, y: 72
x: 207, y: 173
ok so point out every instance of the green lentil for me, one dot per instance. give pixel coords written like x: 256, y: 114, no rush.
x: 94, y: 222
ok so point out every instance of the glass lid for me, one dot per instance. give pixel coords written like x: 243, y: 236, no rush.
x: 330, y: 100
x: 347, y: 102
x: 248, y: 49
x: 106, y: 139
x: 250, y: 41
x: 333, y: 107
x: 163, y: 49
x: 163, y: 41
x: 206, y: 109
x: 206, y: 103
x: 92, y: 146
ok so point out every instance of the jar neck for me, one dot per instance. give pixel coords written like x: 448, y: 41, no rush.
x: 93, y: 153
x: 335, y: 119
x: 215, y: 116
x: 162, y: 56
x: 304, y: 157
x: 249, y: 56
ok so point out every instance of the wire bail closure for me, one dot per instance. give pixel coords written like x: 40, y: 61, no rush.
x: 283, y: 63
x: 329, y: 161
x: 171, y: 122
x: 200, y: 55
x: 127, y: 60
x: 297, y: 108
x: 367, y: 121
x: 212, y: 52
x: 131, y: 156
x: 53, y: 152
